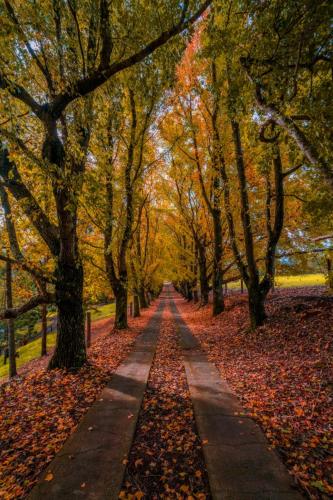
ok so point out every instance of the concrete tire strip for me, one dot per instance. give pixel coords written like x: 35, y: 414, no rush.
x: 92, y: 462
x: 240, y: 463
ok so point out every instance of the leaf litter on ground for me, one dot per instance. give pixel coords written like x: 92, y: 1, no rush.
x: 282, y: 373
x: 166, y: 459
x: 41, y: 409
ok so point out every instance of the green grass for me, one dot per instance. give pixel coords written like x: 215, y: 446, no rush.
x: 32, y: 350
x: 102, y: 311
x: 291, y: 281
x: 28, y: 352
x: 300, y: 280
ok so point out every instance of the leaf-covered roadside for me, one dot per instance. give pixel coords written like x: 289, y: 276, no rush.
x: 166, y: 459
x: 39, y: 411
x: 283, y: 374
x: 98, y: 328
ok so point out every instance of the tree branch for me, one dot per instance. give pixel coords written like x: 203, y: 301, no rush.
x: 101, y: 75
x: 13, y: 181
x: 22, y: 95
x: 29, y: 48
x: 12, y: 313
x: 29, y: 268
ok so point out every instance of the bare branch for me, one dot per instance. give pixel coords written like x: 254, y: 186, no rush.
x: 12, y: 313
x: 292, y: 170
x: 325, y: 237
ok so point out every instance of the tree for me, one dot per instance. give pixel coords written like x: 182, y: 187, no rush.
x: 53, y: 45
x: 289, y: 67
x: 200, y: 109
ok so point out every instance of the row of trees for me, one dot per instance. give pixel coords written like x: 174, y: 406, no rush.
x: 138, y: 143
x: 74, y: 81
x: 252, y: 98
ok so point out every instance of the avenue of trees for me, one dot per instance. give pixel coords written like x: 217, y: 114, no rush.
x: 143, y: 141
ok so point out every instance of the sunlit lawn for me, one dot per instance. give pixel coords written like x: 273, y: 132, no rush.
x: 32, y: 350
x: 292, y: 281
x: 102, y: 311
x: 300, y: 280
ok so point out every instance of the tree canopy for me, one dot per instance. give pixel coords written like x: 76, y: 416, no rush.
x: 151, y: 141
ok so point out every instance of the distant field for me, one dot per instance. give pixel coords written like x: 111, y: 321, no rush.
x: 292, y: 281
x: 32, y: 350
x: 300, y: 280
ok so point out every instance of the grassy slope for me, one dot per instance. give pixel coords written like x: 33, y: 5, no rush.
x: 32, y: 350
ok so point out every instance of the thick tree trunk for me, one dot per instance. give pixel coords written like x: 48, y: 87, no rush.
x: 44, y: 330
x: 10, y: 323
x: 136, y: 310
x: 256, y: 307
x: 204, y: 286
x: 142, y: 298
x: 121, y: 307
x: 70, y: 351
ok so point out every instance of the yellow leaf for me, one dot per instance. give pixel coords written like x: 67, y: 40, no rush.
x: 49, y: 476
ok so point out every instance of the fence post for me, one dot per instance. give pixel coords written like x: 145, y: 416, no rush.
x: 44, y: 330
x: 88, y: 329
x: 10, y: 322
x: 131, y: 309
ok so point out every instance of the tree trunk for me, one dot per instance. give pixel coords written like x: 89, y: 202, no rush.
x: 142, y: 298
x: 189, y: 292
x: 204, y: 289
x: 136, y: 302
x: 10, y: 323
x: 256, y: 307
x: 329, y: 273
x: 194, y: 283
x: 121, y: 307
x: 204, y: 285
x: 44, y: 330
x: 70, y: 351
x: 218, y: 301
